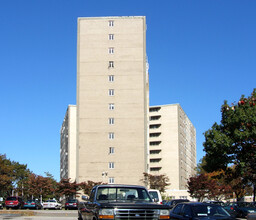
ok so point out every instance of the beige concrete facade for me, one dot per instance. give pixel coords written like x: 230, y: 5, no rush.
x: 68, y: 145
x: 112, y: 99
x: 172, y: 147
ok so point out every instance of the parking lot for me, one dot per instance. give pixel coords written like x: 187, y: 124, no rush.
x: 38, y: 214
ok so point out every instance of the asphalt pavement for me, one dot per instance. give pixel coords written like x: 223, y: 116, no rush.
x: 39, y: 215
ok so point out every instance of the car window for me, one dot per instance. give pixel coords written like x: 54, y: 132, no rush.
x: 72, y: 201
x: 209, y: 210
x: 187, y: 210
x: 11, y: 198
x: 51, y: 200
x: 177, y: 209
x: 122, y: 193
x: 153, y: 194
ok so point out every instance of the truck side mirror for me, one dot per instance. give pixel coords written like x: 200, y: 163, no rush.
x: 85, y: 198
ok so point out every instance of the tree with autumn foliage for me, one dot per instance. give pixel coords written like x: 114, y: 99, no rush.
x: 88, y: 185
x: 6, y: 176
x: 206, y: 185
x: 40, y: 187
x: 237, y: 184
x: 159, y: 182
x: 233, y: 141
x: 67, y: 188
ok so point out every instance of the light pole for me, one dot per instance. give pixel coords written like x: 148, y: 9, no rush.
x: 104, y: 174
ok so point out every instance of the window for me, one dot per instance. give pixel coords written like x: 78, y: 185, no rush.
x: 111, y: 150
x: 111, y: 23
x: 111, y: 165
x: 111, y: 36
x: 111, y: 64
x: 111, y: 106
x: 92, y: 194
x: 111, y: 135
x: 111, y: 180
x: 111, y: 78
x: 111, y: 92
x: 111, y: 121
x: 111, y: 50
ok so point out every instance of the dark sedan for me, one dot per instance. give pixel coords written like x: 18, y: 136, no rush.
x: 71, y: 204
x: 174, y: 202
x: 243, y: 208
x: 197, y: 210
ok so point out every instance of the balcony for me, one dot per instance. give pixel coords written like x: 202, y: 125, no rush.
x: 154, y: 109
x: 154, y: 134
x: 154, y: 143
x: 154, y: 118
x: 155, y: 169
x: 154, y: 126
x: 155, y: 154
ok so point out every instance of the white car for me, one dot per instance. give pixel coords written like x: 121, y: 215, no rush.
x: 155, y: 195
x: 52, y: 204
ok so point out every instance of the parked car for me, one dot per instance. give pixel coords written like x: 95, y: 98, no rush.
x: 243, y: 208
x: 230, y: 209
x: 216, y: 202
x: 14, y: 202
x: 198, y: 210
x: 71, y: 204
x: 174, y: 202
x: 32, y: 204
x: 155, y: 195
x: 52, y: 204
x: 120, y: 202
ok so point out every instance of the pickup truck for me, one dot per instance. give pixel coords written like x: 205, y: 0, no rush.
x: 120, y: 202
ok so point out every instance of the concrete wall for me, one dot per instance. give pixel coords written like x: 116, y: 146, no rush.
x: 93, y: 99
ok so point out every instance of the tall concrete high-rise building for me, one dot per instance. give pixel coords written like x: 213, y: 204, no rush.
x: 68, y: 145
x: 172, y: 147
x: 112, y: 99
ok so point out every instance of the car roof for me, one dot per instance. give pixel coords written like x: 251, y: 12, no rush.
x: 198, y: 203
x: 179, y: 200
x: 120, y: 185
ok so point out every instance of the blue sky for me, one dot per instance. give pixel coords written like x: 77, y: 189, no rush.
x: 200, y: 52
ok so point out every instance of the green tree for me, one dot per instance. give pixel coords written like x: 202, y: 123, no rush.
x: 200, y: 166
x: 20, y: 176
x: 233, y: 141
x: 159, y: 182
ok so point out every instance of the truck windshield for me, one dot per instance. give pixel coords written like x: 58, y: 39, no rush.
x: 122, y: 194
